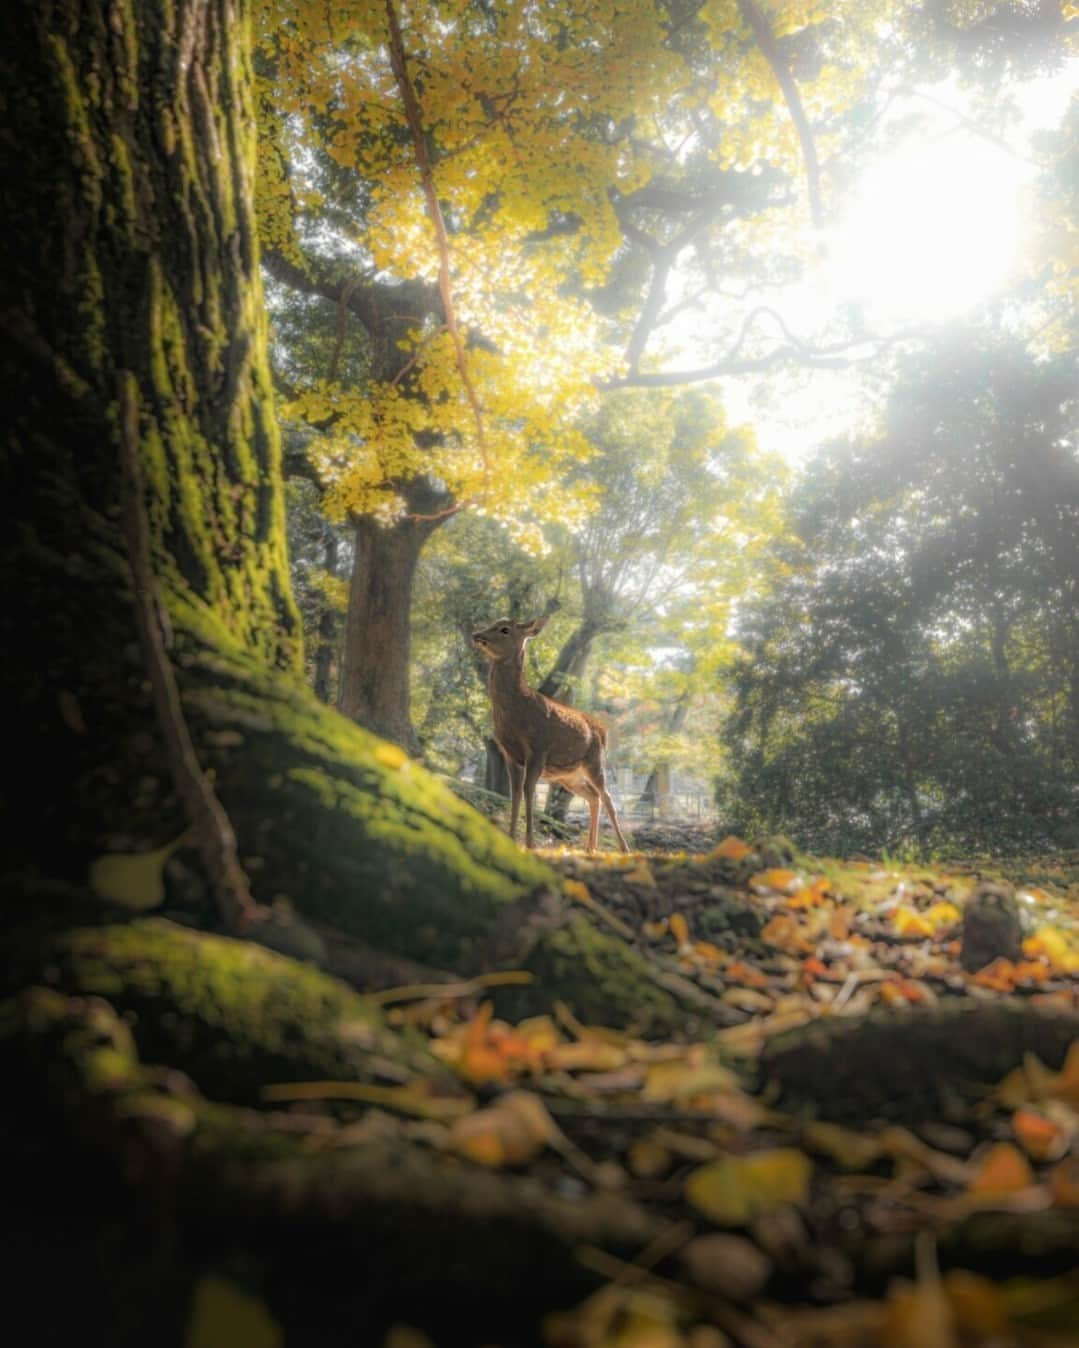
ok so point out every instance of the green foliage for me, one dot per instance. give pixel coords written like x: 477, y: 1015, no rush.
x: 913, y: 678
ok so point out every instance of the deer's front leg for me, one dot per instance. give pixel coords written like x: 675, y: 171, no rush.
x: 516, y: 774
x: 533, y: 771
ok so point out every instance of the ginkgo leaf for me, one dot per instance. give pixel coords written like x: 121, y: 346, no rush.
x: 136, y: 880
x: 735, y: 1189
x: 223, y: 1313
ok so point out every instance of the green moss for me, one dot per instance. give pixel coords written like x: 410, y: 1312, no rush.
x: 601, y: 979
x: 231, y: 1013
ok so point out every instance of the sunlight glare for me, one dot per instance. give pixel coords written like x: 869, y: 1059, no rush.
x: 934, y: 229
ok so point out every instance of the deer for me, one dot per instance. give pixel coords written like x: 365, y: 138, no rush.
x: 539, y: 737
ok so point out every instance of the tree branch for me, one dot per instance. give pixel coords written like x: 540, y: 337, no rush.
x: 770, y: 50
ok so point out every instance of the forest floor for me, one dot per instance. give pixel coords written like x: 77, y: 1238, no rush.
x: 877, y: 1145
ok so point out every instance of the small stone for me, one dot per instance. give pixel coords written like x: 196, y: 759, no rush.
x: 729, y: 1265
x: 992, y: 927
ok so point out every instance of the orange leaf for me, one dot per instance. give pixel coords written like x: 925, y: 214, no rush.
x: 680, y: 929
x: 783, y: 932
x: 1040, y: 1137
x: 734, y: 849
x: 998, y: 976
x: 839, y: 924
x: 785, y: 882
x: 738, y: 971
x: 1003, y: 1169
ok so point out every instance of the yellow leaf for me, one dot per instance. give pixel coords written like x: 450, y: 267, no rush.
x: 681, y: 1080
x: 577, y: 889
x: 679, y: 929
x: 136, y: 880
x: 735, y: 1189
x: 849, y: 1149
x: 641, y: 875
x: 908, y: 922
x: 1003, y: 1169
x: 509, y: 1132
x: 390, y: 756
x: 941, y: 914
x: 222, y: 1315
x: 1052, y: 945
x: 587, y: 1055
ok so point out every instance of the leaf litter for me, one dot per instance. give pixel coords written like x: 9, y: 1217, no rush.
x: 784, y: 1228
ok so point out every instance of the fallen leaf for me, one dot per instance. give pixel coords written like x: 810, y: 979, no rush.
x: 682, y: 1080
x: 849, y: 1149
x: 223, y: 1313
x: 775, y: 880
x: 390, y: 756
x: 1039, y: 1136
x: 510, y: 1132
x: 735, y: 1189
x: 679, y: 929
x: 732, y: 848
x: 135, y: 880
x: 1002, y: 1169
x: 587, y: 1055
x: 910, y: 923
x: 1054, y: 946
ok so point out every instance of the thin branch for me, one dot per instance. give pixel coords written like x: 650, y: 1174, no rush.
x: 770, y: 50
x: 414, y: 117
x: 210, y: 825
x: 840, y: 356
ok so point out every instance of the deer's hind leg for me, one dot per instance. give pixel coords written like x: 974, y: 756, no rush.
x: 598, y: 778
x: 583, y: 787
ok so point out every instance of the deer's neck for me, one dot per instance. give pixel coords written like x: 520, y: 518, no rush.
x: 506, y: 684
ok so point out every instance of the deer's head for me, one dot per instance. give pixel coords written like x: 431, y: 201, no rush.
x: 505, y: 639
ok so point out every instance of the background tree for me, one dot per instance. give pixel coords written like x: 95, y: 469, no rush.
x: 912, y: 679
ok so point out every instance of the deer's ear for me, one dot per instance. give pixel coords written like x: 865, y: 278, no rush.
x: 536, y: 625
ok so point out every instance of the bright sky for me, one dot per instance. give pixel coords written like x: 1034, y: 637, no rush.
x: 932, y: 231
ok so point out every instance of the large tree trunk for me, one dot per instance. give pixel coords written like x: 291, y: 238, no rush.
x: 377, y: 653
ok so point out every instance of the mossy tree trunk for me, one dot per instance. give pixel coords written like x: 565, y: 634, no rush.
x: 132, y: 254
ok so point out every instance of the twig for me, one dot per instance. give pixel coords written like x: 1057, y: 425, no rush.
x: 770, y: 50
x: 210, y: 825
x: 414, y: 117
x: 410, y: 992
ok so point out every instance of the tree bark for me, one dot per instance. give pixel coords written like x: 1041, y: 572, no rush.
x: 327, y: 657
x: 377, y: 652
